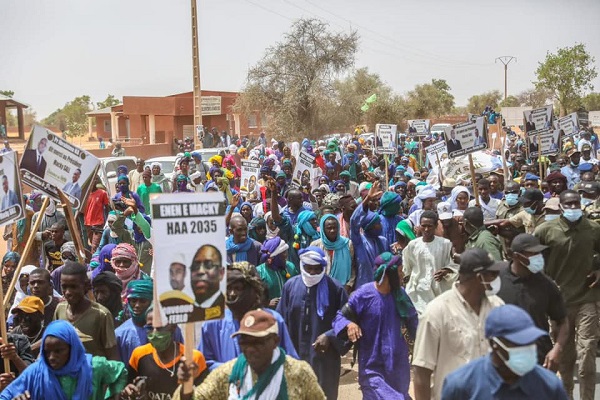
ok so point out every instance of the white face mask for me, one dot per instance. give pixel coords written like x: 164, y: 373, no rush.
x: 495, y: 286
x: 536, y: 263
x: 51, y: 209
x: 521, y: 359
x: 551, y: 217
x: 311, y: 280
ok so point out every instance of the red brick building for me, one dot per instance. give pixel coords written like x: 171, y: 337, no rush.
x: 161, y: 119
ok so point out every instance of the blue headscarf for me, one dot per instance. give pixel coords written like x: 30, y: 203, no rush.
x: 104, y: 255
x: 11, y: 256
x: 313, y: 255
x: 303, y: 225
x: 42, y: 381
x: 341, y: 263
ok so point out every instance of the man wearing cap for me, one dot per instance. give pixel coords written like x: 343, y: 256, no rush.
x: 373, y: 319
x: 590, y: 199
x: 509, y: 371
x: 447, y: 185
x: 29, y: 321
x: 146, y: 188
x: 586, y: 156
x: 532, y: 215
x: 571, y: 171
x: 263, y: 370
x: 524, y: 284
x: 450, y: 332
x: 572, y: 242
x: 530, y: 181
x: 427, y: 262
x: 309, y: 303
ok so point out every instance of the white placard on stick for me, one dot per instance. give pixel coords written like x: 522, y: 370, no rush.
x: 12, y: 207
x: 385, y: 138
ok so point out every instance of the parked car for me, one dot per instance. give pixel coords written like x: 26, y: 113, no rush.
x: 169, y: 164
x: 439, y: 128
x: 108, y: 171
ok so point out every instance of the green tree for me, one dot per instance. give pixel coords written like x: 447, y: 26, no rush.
x: 567, y: 74
x: 430, y: 100
x: 591, y: 102
x: 108, y: 102
x: 510, y: 101
x: 294, y: 80
x: 71, y: 117
x: 7, y: 93
x: 476, y: 104
x: 535, y: 97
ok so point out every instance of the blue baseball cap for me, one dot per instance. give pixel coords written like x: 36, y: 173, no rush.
x: 531, y: 177
x: 513, y: 324
x: 585, y: 167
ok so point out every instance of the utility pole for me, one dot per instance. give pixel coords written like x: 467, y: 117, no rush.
x: 198, y: 128
x: 505, y: 60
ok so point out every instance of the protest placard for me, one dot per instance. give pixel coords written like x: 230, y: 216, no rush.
x: 249, y: 177
x: 50, y: 163
x: 189, y: 255
x: 435, y: 152
x: 569, y: 124
x: 467, y: 137
x: 459, y: 168
x: 12, y: 207
x: 539, y: 118
x: 545, y: 141
x: 304, y: 173
x: 418, y: 126
x: 385, y: 138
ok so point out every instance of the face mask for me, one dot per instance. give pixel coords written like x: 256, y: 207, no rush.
x: 574, y: 165
x: 585, y: 202
x: 529, y: 210
x: 512, y: 199
x: 521, y: 360
x: 551, y: 217
x: 572, y: 215
x: 495, y: 286
x: 51, y: 209
x: 160, y: 340
x: 536, y: 263
x: 311, y: 280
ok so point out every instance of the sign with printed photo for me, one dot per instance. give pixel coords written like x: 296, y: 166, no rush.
x: 466, y: 138
x: 385, y: 138
x: 418, y: 126
x: 12, y: 207
x: 441, y: 150
x: 539, y: 118
x: 249, y: 177
x: 546, y: 141
x: 304, y: 172
x: 50, y: 163
x: 189, y: 250
x: 568, y: 124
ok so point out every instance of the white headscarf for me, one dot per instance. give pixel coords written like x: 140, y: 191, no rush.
x: 19, y: 292
x: 270, y: 233
x: 454, y: 194
x: 428, y: 192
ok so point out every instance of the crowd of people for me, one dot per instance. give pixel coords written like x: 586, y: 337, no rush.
x: 474, y: 293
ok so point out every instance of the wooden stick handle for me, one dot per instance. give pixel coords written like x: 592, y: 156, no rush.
x: 475, y: 190
x: 3, y: 331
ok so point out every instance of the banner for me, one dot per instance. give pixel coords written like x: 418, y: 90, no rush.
x: 385, y: 137
x: 189, y: 255
x: 418, y: 126
x: 441, y: 150
x: 466, y: 138
x: 250, y: 172
x: 568, y: 124
x: 458, y: 168
x: 537, y: 119
x: 50, y: 163
x: 304, y: 173
x: 546, y: 141
x: 12, y: 207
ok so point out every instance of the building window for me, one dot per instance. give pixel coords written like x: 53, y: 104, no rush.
x: 107, y: 126
x: 264, y: 121
x: 252, y: 123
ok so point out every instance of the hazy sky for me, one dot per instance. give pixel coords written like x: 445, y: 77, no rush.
x: 53, y: 51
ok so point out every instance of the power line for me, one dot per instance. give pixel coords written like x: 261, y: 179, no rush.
x: 505, y: 60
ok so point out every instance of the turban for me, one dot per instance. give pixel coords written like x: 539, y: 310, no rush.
x: 155, y: 164
x: 109, y: 279
x: 345, y: 173
x: 127, y: 251
x: 123, y: 178
x: 280, y: 175
x: 369, y: 220
x: 123, y: 167
x: 272, y: 248
x: 68, y: 247
x: 181, y: 178
x: 312, y: 255
x: 332, y: 200
x: 217, y: 159
x: 404, y: 228
x: 454, y: 194
x: 197, y: 154
x: 555, y: 176
x: 265, y: 170
x: 427, y: 192
x: 140, y: 289
x: 390, y: 204
x: 11, y: 256
x: 246, y: 272
x: 385, y: 262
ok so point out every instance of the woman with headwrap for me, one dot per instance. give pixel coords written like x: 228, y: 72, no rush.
x: 223, y: 185
x: 274, y: 270
x: 9, y: 265
x: 459, y: 200
x: 288, y: 158
x: 107, y: 288
x: 247, y: 211
x: 339, y: 252
x: 64, y: 370
x: 159, y: 177
x: 404, y: 234
x: 257, y: 229
x: 369, y: 245
x: 272, y: 229
x: 125, y: 264
x: 309, y: 304
x: 389, y: 209
x: 378, y: 319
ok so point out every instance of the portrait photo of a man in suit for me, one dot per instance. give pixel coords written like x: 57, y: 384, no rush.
x: 33, y: 159
x: 453, y: 143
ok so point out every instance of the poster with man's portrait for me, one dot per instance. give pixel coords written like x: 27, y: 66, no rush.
x: 12, y: 207
x: 546, y: 142
x: 467, y: 137
x: 540, y: 118
x: 189, y: 255
x: 50, y: 163
x: 250, y: 172
x: 418, y: 126
x: 569, y: 124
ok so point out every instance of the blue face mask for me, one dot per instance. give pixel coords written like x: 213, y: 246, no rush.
x: 512, y: 199
x: 585, y: 202
x: 521, y: 360
x: 529, y: 210
x: 536, y: 263
x: 572, y: 215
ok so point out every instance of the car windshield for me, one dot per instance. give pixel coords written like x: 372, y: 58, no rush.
x: 167, y: 166
x: 112, y: 166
